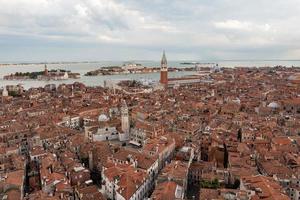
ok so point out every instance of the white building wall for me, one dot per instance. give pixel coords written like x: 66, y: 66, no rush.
x: 108, y: 187
x: 138, y: 135
x: 108, y: 133
x: 294, y: 194
x: 153, y: 168
x: 123, y: 137
x: 74, y: 122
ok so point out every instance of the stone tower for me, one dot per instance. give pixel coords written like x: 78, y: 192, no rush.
x: 46, y: 73
x: 4, y: 92
x: 164, y: 70
x: 124, y: 135
x: 125, y: 117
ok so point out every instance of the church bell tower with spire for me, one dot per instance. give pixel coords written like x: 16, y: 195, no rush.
x: 125, y: 124
x: 164, y: 70
x: 46, y: 73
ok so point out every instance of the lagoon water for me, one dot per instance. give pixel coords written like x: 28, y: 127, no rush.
x: 82, y: 68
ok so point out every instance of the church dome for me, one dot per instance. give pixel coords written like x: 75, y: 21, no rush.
x: 103, y: 118
x: 273, y: 105
x: 294, y: 77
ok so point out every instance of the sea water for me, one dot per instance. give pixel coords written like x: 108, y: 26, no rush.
x: 84, y: 67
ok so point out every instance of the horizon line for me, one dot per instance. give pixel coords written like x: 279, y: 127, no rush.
x: 137, y: 60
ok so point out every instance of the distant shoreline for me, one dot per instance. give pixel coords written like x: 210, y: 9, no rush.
x: 45, y: 63
x: 179, y: 61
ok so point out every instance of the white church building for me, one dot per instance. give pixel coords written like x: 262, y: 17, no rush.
x: 107, y: 128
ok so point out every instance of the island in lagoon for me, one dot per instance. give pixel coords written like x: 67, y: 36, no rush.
x: 45, y: 75
x: 132, y: 68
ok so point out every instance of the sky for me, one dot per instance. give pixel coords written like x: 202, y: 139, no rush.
x: 98, y: 30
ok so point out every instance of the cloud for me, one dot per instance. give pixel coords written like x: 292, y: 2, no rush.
x: 106, y: 38
x: 242, y: 25
x: 141, y: 29
x: 246, y: 32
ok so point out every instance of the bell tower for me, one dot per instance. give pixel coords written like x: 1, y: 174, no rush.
x: 125, y: 117
x: 125, y: 124
x: 46, y: 73
x: 4, y: 92
x: 164, y: 70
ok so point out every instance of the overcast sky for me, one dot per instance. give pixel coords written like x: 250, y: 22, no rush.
x: 74, y: 30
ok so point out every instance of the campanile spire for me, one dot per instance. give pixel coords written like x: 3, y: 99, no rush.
x: 164, y: 69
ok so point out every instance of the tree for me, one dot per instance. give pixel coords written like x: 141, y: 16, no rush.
x: 214, y: 184
x: 13, y: 93
x: 239, y: 136
x: 234, y: 185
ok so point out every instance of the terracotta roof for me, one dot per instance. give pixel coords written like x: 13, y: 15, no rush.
x: 15, y: 178
x: 90, y: 193
x: 294, y: 101
x: 129, y: 179
x: 165, y: 191
x: 281, y: 141
x: 176, y: 170
x: 268, y: 188
x: 13, y: 194
x: 208, y: 194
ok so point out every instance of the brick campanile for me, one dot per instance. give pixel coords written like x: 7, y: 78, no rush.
x: 164, y: 70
